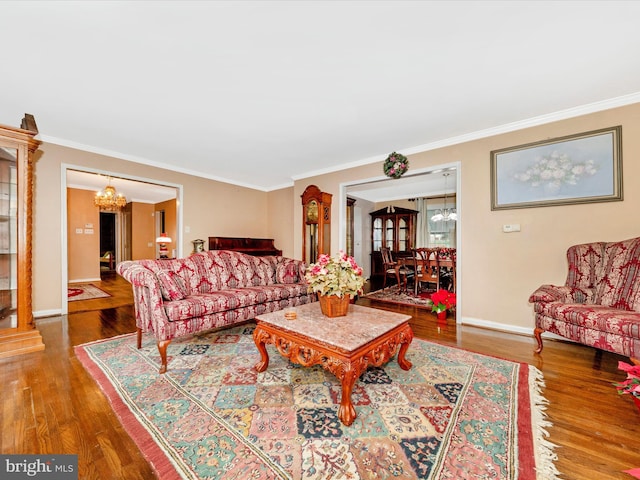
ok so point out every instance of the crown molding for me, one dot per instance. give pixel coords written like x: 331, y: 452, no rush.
x: 490, y: 132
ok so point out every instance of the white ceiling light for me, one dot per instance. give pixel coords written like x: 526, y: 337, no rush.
x: 445, y: 215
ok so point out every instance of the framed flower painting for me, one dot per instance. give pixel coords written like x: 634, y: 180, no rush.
x: 581, y: 168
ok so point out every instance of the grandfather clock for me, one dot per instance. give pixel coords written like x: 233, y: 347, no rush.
x: 316, y: 223
x: 18, y: 333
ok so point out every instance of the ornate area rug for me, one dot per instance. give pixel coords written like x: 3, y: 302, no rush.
x: 393, y: 295
x: 84, y: 291
x: 454, y: 415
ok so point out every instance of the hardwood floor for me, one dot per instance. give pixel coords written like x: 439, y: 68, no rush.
x: 112, y: 283
x: 49, y: 403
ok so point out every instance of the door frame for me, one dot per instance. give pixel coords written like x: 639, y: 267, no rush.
x: 342, y: 216
x: 64, y: 220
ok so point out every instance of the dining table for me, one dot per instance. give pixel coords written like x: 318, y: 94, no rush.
x: 410, y: 262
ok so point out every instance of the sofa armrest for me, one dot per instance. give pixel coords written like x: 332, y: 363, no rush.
x: 147, y: 297
x: 564, y: 294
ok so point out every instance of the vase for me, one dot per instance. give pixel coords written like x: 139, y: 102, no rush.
x: 636, y: 400
x: 333, y: 305
x: 442, y: 315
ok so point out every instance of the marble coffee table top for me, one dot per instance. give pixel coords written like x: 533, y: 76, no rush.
x: 360, y: 326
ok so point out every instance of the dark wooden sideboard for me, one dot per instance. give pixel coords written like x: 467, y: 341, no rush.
x: 251, y: 246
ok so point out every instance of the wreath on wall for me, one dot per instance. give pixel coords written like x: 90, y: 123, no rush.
x: 395, y: 165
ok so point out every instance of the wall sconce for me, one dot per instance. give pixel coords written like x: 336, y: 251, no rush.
x: 162, y: 241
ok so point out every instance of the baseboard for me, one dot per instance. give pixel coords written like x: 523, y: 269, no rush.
x: 85, y: 280
x: 477, y: 322
x: 47, y: 313
x: 501, y: 327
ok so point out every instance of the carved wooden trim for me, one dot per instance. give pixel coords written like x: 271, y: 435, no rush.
x: 22, y: 139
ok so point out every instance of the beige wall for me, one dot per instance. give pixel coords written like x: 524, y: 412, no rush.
x: 499, y: 271
x: 84, y: 217
x: 209, y: 208
x: 143, y: 230
x: 281, y: 209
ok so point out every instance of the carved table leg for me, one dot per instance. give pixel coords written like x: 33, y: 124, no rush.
x: 402, y: 361
x: 259, y: 339
x: 347, y: 412
x: 406, y: 338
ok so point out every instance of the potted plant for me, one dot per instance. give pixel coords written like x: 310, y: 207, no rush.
x: 337, y: 280
x: 442, y: 300
x: 631, y: 386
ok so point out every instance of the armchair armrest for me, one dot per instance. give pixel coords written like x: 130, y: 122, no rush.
x: 564, y: 294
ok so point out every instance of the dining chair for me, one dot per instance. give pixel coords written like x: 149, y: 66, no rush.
x: 447, y: 259
x: 392, y: 267
x: 425, y: 265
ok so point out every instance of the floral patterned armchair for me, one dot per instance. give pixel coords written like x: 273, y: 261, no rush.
x: 599, y: 304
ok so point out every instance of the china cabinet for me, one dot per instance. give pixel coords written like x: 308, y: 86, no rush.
x: 18, y: 333
x: 316, y: 223
x: 394, y: 228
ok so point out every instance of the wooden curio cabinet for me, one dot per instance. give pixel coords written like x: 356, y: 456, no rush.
x: 18, y: 333
x: 316, y: 223
x: 394, y: 228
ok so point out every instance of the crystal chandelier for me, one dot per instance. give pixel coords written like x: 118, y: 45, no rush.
x: 108, y: 199
x: 445, y: 214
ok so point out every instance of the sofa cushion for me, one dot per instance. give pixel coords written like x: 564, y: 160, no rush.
x: 287, y: 271
x: 185, y: 268
x: 264, y: 270
x: 222, y: 269
x: 199, y: 305
x: 171, y: 285
x: 594, y: 317
x: 620, y: 284
x: 586, y: 265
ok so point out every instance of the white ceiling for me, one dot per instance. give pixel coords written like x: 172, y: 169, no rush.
x: 264, y: 93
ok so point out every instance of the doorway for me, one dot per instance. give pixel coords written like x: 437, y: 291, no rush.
x: 374, y: 193
x: 113, y: 232
x: 108, y: 248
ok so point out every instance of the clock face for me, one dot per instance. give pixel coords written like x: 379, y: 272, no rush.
x: 312, y: 212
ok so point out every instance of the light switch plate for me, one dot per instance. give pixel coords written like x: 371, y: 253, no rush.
x: 511, y: 227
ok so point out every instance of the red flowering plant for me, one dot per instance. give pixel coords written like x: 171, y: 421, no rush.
x: 632, y: 384
x: 442, y: 300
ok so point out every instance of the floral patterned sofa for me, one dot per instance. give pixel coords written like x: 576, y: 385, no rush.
x: 599, y: 305
x: 184, y: 296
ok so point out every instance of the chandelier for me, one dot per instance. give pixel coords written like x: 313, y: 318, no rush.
x: 108, y: 199
x: 445, y: 214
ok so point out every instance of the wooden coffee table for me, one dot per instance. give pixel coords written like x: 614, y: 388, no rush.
x: 345, y: 346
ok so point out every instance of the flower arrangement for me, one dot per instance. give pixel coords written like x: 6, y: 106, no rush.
x: 442, y: 300
x: 338, y: 275
x: 555, y: 170
x: 632, y: 384
x: 395, y: 165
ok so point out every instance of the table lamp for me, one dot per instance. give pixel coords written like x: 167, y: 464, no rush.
x: 162, y: 241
